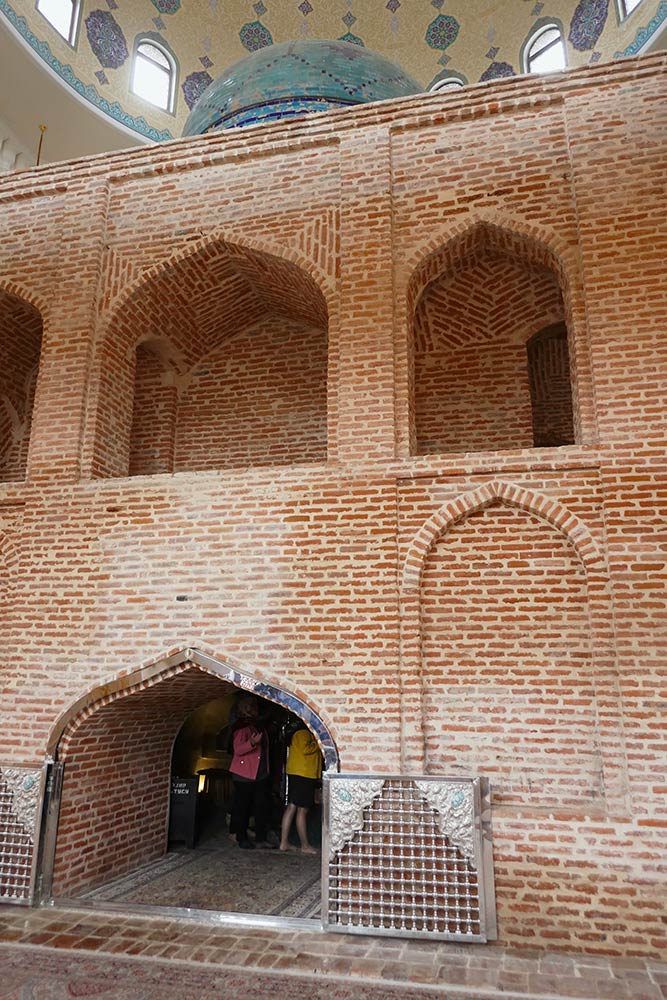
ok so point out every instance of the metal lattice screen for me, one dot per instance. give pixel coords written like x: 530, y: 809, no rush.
x: 21, y: 792
x: 408, y: 856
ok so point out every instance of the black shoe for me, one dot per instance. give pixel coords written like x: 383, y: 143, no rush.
x: 246, y: 845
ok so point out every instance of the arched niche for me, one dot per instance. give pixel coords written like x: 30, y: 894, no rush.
x: 507, y: 661
x: 215, y: 360
x: 20, y: 346
x: 474, y: 303
x: 112, y: 752
x: 528, y: 543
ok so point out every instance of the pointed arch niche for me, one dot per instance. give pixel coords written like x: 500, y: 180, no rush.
x: 215, y: 359
x: 20, y: 347
x: 508, y: 658
x: 112, y: 750
x: 474, y: 302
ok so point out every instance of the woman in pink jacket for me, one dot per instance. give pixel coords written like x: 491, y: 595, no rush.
x: 250, y: 773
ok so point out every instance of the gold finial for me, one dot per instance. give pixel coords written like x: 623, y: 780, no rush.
x: 42, y: 129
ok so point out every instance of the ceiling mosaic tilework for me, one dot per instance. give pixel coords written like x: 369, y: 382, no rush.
x: 476, y: 39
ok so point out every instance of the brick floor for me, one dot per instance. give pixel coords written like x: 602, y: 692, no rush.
x: 419, y: 968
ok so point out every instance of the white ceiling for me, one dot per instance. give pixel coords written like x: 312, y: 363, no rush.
x: 32, y: 95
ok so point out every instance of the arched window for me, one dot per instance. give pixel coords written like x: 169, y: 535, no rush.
x: 449, y: 81
x: 544, y: 51
x: 154, y: 74
x: 63, y: 15
x: 626, y: 7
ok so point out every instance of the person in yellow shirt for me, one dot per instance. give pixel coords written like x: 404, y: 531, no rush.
x: 304, y: 770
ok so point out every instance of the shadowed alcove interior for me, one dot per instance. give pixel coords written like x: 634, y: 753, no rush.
x: 217, y: 361
x: 20, y: 345
x: 483, y: 380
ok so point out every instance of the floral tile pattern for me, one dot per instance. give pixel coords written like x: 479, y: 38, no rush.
x: 497, y: 70
x: 255, y: 36
x: 442, y: 31
x: 420, y: 35
x: 106, y: 38
x: 167, y: 6
x: 587, y: 24
x: 352, y: 39
x: 645, y: 32
x: 194, y: 86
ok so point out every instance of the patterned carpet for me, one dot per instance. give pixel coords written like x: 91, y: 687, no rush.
x: 219, y: 876
x: 46, y: 974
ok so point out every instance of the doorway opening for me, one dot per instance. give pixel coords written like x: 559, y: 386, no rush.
x: 144, y: 795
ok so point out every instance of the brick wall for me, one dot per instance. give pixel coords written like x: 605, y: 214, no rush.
x: 154, y: 413
x: 508, y: 681
x: 434, y: 609
x: 260, y: 399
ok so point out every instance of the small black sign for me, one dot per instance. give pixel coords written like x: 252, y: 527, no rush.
x: 183, y: 810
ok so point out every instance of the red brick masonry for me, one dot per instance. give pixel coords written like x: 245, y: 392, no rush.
x: 283, y: 414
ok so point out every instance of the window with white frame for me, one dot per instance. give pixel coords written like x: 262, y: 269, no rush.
x: 544, y: 51
x: 626, y: 7
x: 63, y: 15
x: 449, y: 83
x: 447, y: 80
x: 154, y: 74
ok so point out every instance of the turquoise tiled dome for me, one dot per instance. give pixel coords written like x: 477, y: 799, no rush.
x: 295, y: 78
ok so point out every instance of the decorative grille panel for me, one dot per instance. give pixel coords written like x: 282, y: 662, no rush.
x: 21, y: 791
x: 409, y: 856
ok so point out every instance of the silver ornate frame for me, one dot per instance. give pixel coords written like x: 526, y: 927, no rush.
x: 471, y: 834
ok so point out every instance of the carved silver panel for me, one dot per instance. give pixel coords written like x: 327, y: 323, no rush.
x: 21, y: 793
x: 347, y: 802
x: 454, y: 812
x: 408, y: 856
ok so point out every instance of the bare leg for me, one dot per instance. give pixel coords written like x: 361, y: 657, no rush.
x: 301, y: 815
x: 285, y: 825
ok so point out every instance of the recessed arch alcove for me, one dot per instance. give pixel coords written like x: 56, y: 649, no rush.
x: 113, y: 751
x: 474, y: 302
x: 214, y: 359
x: 20, y: 347
x: 503, y: 605
x: 507, y: 660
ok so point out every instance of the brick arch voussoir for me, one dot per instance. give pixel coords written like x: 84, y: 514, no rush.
x: 563, y: 255
x: 178, y: 662
x: 27, y: 295
x: 512, y: 495
x: 100, y: 697
x: 9, y: 551
x: 232, y: 240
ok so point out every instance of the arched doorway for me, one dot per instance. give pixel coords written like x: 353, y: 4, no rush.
x: 107, y: 814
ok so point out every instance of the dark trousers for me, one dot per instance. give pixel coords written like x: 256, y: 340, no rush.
x: 251, y: 798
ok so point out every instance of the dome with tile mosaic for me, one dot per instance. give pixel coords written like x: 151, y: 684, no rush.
x: 297, y: 78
